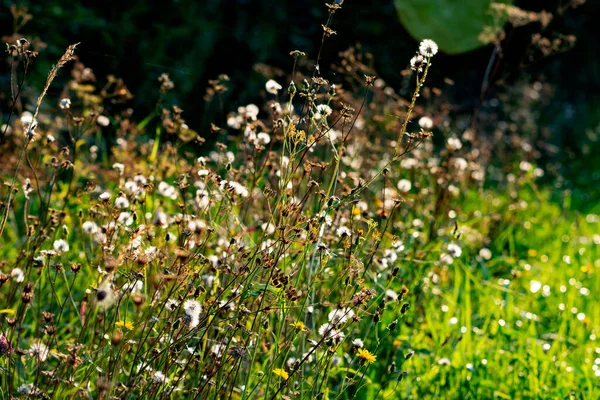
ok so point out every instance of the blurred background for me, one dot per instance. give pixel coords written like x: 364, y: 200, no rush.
x: 196, y: 41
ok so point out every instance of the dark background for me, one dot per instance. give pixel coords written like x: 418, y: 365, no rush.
x: 194, y: 41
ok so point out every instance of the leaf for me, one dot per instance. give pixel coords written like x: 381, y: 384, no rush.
x: 455, y: 25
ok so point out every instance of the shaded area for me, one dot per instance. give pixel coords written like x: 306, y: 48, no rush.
x: 196, y: 41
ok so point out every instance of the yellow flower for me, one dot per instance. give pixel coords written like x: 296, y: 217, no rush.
x: 128, y: 325
x: 366, y: 355
x: 281, y: 372
x: 532, y: 252
x: 299, y: 325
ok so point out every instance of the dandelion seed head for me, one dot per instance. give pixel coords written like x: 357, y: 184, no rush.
x: 272, y: 86
x: 428, y: 48
x: 39, y: 351
x: 60, y: 246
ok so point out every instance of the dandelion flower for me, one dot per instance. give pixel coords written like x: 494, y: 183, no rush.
x: 454, y: 143
x: 299, y: 326
x: 61, y: 246
x: 454, y: 250
x: 192, y: 309
x: 404, y: 185
x: 159, y: 378
x: 39, y: 351
x: 18, y: 275
x: 105, y: 295
x: 323, y: 110
x: 485, y: 253
x: 340, y: 316
x: 366, y: 356
x: 89, y: 227
x: 417, y: 63
x: 331, y: 334
x: 127, y: 325
x: 27, y: 389
x: 282, y: 373
x: 103, y: 120
x: 343, y: 231
x: 121, y: 202
x: 426, y: 123
x: 263, y: 138
x: 272, y: 86
x: 428, y: 48
x: 65, y: 103
x: 217, y: 350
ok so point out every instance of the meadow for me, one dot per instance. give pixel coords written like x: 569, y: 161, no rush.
x: 336, y: 241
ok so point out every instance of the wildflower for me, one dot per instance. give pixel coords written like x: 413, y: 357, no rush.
x: 164, y: 189
x: 235, y: 122
x: 454, y: 191
x: 263, y: 138
x: 105, y: 295
x: 343, y: 231
x: 217, y: 350
x: 192, y: 309
x: 404, y: 185
x: 417, y: 63
x: 323, y: 110
x: 340, y: 316
x: 131, y: 187
x: 18, y: 275
x: 390, y: 294
x: 272, y: 86
x: 446, y: 258
x: 454, y: 143
x: 27, y: 188
x: 102, y: 120
x: 535, y: 286
x: 282, y: 373
x: 5, y: 346
x: 299, y: 326
x: 331, y: 334
x: 444, y: 361
x: 398, y: 245
x: 29, y: 124
x: 159, y: 378
x: 358, y: 343
x: 454, y: 250
x: 485, y: 253
x: 104, y: 196
x: 127, y: 325
x: 366, y: 356
x: 171, y: 304
x: 459, y: 163
x: 61, y: 246
x: 425, y: 123
x: 121, y: 202
x: 89, y: 227
x: 65, y: 103
x: 428, y: 48
x: 27, y: 389
x: 39, y: 351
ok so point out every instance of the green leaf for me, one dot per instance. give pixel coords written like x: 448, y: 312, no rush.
x: 455, y: 25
